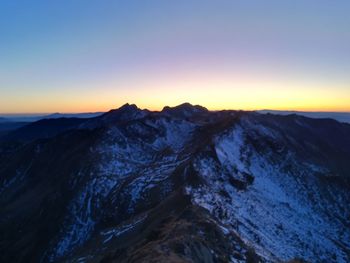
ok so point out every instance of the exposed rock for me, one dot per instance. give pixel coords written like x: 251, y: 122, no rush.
x: 181, y: 185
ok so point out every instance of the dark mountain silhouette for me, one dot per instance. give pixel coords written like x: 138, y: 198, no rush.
x: 4, y: 120
x: 41, y: 129
x: 181, y: 185
x: 7, y: 127
x: 36, y: 117
x: 338, y: 116
x: 58, y: 115
x: 184, y: 110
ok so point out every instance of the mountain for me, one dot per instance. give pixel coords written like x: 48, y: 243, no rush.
x: 126, y: 112
x: 339, y: 116
x: 36, y: 117
x: 44, y: 128
x: 181, y: 185
x: 184, y: 110
x: 72, y: 115
x: 6, y: 127
x: 2, y: 120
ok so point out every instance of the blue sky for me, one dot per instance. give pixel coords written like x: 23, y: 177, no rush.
x: 71, y: 56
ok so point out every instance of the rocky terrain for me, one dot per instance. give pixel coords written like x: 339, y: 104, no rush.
x: 181, y: 185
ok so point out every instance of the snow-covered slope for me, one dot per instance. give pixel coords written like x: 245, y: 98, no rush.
x: 285, y: 207
x: 181, y: 185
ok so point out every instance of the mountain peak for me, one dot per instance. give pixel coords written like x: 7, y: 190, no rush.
x: 128, y: 106
x: 125, y: 112
x: 184, y: 110
x: 215, y: 185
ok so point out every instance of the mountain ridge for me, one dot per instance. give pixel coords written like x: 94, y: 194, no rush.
x: 184, y: 184
x: 339, y: 116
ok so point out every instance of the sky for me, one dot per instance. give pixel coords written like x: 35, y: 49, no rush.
x: 86, y: 56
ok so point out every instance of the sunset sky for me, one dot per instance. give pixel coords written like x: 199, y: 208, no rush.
x: 84, y: 56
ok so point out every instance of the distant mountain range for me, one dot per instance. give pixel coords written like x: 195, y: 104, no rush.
x: 13, y: 122
x: 184, y: 184
x: 339, y: 116
x: 36, y: 117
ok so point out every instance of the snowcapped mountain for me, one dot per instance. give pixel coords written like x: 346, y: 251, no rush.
x: 181, y: 185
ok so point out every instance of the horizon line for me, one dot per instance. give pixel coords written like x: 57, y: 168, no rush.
x: 38, y: 114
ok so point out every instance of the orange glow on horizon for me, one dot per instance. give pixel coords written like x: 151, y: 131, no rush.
x: 213, y: 100
x: 219, y: 92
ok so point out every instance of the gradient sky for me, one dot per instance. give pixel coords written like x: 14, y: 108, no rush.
x: 79, y: 55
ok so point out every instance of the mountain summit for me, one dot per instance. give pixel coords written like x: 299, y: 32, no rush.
x: 181, y: 185
x: 184, y: 110
x: 124, y: 113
